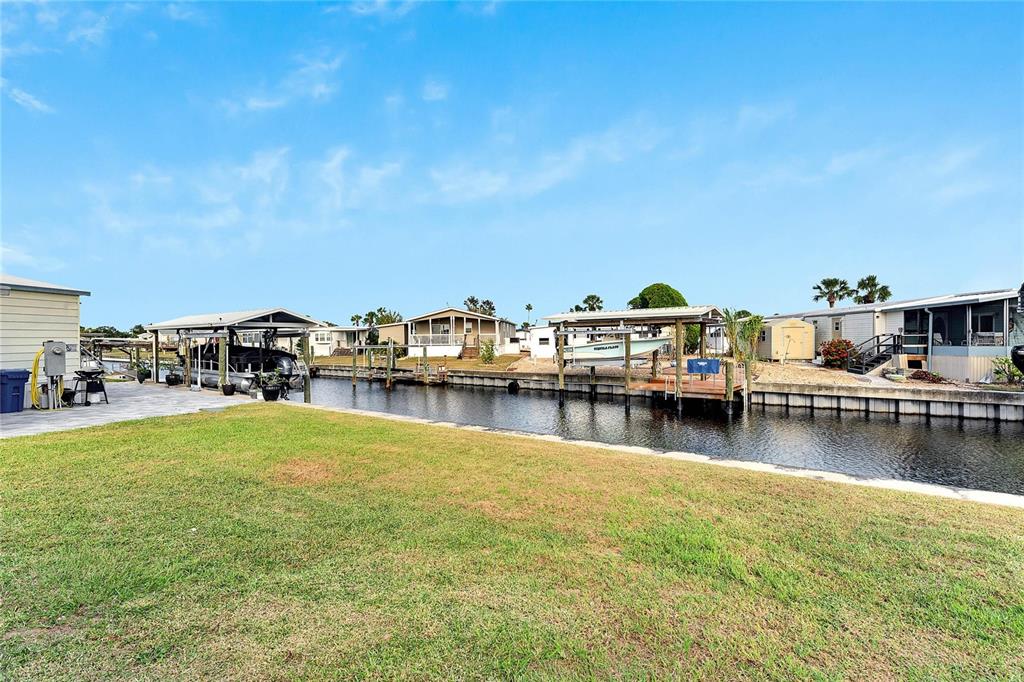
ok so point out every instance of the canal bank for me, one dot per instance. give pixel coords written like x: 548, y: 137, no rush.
x: 868, y: 399
x: 960, y: 453
x: 902, y: 401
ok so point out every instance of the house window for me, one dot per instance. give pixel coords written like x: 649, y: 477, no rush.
x: 469, y: 327
x: 544, y: 341
x: 322, y: 337
x: 763, y: 336
x: 837, y: 325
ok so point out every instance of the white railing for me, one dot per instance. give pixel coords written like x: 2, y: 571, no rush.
x: 437, y: 339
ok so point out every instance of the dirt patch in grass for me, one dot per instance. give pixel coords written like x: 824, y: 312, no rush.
x: 302, y: 472
x: 32, y: 635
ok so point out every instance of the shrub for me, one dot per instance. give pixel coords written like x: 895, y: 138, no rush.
x: 487, y: 354
x: 1005, y: 371
x: 837, y: 352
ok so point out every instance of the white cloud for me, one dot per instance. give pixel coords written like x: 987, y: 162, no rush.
x: 846, y: 162
x: 91, y: 29
x: 28, y: 101
x: 349, y: 190
x: 434, y: 91
x: 15, y: 256
x: 48, y: 16
x: 313, y: 79
x: 386, y: 9
x: 460, y: 182
x: 184, y: 11
x: 752, y: 118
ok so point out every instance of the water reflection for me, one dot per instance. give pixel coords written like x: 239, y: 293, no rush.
x: 967, y: 453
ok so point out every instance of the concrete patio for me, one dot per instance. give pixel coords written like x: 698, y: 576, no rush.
x: 127, y: 401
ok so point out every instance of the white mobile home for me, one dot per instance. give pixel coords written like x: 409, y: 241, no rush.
x: 454, y: 332
x: 32, y: 312
x: 325, y: 340
x: 956, y: 335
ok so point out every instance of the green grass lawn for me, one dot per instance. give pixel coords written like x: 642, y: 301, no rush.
x: 270, y: 541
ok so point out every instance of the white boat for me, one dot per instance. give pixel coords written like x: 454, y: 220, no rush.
x: 611, y: 351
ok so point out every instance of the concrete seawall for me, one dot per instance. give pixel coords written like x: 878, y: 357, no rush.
x: 931, y: 402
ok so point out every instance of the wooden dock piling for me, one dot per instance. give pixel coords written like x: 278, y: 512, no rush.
x: 626, y: 369
x: 679, y: 363
x: 561, y: 369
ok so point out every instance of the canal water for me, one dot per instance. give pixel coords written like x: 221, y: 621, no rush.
x: 965, y: 453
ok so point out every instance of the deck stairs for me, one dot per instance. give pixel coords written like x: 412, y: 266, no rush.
x: 873, y: 353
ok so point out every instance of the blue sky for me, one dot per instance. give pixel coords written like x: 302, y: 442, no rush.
x: 328, y: 158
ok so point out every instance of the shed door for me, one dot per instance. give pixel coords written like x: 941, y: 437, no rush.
x: 837, y: 327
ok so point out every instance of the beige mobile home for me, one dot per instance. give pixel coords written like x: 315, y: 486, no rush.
x: 32, y: 312
x: 786, y: 339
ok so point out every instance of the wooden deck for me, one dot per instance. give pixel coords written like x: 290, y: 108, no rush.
x: 692, y: 386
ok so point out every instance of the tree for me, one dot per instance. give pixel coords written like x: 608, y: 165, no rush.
x: 869, y: 290
x: 356, y: 319
x: 749, y: 333
x: 475, y: 305
x: 138, y: 330
x: 833, y: 290
x: 660, y: 295
x: 731, y: 324
x: 529, y: 309
x: 592, y: 302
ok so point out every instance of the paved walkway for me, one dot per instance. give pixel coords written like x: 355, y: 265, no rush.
x: 127, y: 401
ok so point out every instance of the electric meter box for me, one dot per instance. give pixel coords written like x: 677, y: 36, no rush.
x: 55, y: 358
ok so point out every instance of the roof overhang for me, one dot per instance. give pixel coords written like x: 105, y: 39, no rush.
x: 280, y: 320
x: 707, y: 314
x: 13, y: 283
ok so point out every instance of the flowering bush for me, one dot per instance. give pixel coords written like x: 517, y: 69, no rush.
x: 837, y: 352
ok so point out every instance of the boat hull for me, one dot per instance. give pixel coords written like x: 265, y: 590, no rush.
x: 612, y: 351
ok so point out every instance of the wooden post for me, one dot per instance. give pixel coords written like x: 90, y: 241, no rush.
x: 703, y: 345
x: 626, y: 369
x: 156, y: 356
x: 728, y: 385
x: 654, y: 364
x: 679, y: 362
x: 426, y: 367
x: 307, y: 382
x: 355, y: 351
x: 222, y: 361
x: 391, y: 360
x: 593, y: 382
x: 188, y: 363
x: 561, y: 368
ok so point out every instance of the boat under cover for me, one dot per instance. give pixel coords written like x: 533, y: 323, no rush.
x: 611, y: 351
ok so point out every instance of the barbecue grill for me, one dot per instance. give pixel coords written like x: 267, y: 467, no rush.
x: 89, y: 381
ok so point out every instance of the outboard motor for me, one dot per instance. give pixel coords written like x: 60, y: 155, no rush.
x: 1017, y: 355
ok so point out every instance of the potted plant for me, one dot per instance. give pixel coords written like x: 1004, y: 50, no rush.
x: 228, y: 388
x: 141, y: 371
x: 270, y: 384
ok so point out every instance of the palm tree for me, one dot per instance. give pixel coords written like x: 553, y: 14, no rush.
x: 356, y: 319
x: 870, y: 291
x: 731, y: 326
x: 529, y: 309
x: 832, y: 289
x: 593, y: 302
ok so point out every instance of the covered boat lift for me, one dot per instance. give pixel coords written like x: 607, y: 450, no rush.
x: 625, y: 323
x: 266, y: 325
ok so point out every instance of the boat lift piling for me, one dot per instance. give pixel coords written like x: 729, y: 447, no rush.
x: 625, y: 324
